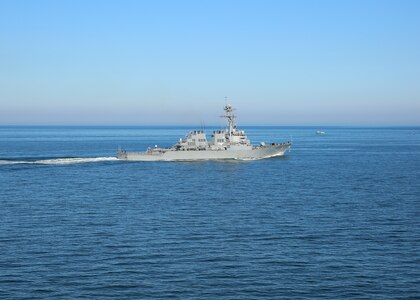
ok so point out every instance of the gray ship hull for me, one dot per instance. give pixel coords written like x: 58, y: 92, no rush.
x: 231, y: 143
x: 252, y: 153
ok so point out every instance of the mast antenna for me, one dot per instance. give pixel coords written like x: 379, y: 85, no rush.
x: 230, y: 117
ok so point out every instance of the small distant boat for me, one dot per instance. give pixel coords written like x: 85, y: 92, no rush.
x: 319, y: 132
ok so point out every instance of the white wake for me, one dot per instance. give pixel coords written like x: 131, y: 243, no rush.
x: 59, y: 161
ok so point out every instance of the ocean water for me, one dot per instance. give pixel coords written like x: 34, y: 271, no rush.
x: 338, y: 217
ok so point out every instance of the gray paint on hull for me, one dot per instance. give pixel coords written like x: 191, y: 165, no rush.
x: 173, y: 155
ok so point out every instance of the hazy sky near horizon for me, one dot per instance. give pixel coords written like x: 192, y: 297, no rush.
x: 173, y: 62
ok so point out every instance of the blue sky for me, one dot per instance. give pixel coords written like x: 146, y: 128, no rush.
x: 173, y: 62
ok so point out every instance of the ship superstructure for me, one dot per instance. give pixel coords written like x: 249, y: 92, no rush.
x: 231, y: 143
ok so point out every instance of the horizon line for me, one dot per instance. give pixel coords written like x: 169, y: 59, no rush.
x: 214, y: 126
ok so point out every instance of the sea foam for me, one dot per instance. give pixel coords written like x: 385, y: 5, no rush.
x: 59, y: 161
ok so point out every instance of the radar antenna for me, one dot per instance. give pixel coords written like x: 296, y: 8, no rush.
x: 230, y: 116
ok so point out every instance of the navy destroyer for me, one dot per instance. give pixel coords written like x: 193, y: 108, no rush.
x: 230, y: 143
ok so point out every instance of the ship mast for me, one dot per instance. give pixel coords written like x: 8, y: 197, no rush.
x: 230, y: 118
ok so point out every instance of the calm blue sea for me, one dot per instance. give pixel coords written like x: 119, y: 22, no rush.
x: 337, y: 218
